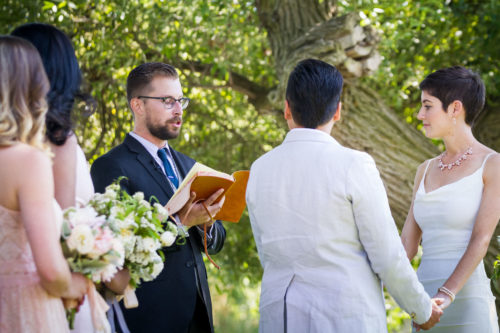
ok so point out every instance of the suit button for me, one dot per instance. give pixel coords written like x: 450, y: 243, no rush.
x: 189, y: 263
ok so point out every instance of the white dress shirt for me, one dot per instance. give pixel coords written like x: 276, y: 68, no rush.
x: 153, y: 151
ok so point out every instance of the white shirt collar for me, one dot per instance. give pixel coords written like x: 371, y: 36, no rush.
x: 153, y: 150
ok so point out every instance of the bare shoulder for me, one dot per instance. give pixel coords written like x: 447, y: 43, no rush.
x: 21, y: 152
x: 493, y: 162
x: 491, y: 171
x: 68, y: 148
x: 28, y: 160
x: 421, y: 170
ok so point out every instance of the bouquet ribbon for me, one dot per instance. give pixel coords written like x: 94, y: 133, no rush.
x: 129, y: 298
x: 98, y: 308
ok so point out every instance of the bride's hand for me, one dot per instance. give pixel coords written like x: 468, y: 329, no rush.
x: 445, y: 299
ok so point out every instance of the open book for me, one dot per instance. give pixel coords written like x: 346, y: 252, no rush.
x: 204, y: 181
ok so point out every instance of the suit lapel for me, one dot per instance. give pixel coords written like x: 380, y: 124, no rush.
x: 149, y: 164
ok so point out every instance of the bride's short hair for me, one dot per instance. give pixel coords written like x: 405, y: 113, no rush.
x: 457, y: 83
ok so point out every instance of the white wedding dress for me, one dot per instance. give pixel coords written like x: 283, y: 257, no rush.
x: 446, y: 217
x: 84, y: 191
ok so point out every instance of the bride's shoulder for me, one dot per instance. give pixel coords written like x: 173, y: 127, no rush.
x: 492, y: 164
x: 424, y: 165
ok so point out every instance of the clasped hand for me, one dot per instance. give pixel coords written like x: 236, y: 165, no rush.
x: 193, y: 213
x: 437, y: 312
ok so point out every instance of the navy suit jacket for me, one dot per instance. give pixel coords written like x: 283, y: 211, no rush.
x: 166, y: 304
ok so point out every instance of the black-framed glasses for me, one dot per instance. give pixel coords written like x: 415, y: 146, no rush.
x: 169, y: 101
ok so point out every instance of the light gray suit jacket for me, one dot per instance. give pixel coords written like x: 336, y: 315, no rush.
x: 326, y: 240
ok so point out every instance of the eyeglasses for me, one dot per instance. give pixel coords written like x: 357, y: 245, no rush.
x: 169, y: 101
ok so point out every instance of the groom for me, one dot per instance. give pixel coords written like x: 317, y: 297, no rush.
x: 321, y: 221
x: 178, y: 300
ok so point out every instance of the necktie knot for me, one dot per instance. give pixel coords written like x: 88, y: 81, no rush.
x: 169, y: 170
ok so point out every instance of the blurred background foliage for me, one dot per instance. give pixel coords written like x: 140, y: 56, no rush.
x: 207, y: 40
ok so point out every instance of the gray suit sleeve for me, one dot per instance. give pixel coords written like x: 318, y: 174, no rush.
x: 380, y: 239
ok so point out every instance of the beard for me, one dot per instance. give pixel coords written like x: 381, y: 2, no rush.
x: 163, y: 131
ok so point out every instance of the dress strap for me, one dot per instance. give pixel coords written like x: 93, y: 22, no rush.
x: 427, y: 167
x: 425, y: 172
x: 486, y: 158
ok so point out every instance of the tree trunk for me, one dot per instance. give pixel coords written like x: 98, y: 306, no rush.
x: 310, y: 29
x: 305, y: 29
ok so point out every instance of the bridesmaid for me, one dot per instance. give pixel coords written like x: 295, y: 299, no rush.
x: 73, y: 185
x: 456, y: 204
x: 33, y: 272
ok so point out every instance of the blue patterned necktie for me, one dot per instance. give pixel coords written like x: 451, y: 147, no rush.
x: 169, y: 170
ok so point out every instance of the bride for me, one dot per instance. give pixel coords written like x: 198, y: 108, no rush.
x: 456, y: 204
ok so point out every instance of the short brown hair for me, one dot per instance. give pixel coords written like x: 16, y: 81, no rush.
x: 457, y: 83
x: 141, y: 76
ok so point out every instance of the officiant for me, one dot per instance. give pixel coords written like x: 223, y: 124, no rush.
x: 178, y: 300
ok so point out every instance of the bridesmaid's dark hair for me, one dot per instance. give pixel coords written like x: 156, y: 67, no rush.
x: 64, y: 74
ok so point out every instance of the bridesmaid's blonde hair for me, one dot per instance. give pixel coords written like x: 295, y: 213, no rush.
x: 23, y: 87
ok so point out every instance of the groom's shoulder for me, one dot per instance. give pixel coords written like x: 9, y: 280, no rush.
x: 354, y: 155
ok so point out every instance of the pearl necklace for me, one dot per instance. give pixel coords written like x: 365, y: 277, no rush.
x: 458, y: 162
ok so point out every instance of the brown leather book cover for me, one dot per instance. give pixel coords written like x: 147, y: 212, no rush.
x: 204, y: 181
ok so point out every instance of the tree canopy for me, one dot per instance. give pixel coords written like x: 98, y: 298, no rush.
x: 234, y: 57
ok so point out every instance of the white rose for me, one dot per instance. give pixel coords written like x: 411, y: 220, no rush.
x: 110, y: 194
x: 116, y: 211
x: 149, y: 244
x: 144, y: 203
x: 145, y: 223
x: 85, y: 215
x: 118, y: 247
x: 167, y: 238
x: 172, y: 228
x: 108, y: 272
x: 81, y: 239
x: 139, y: 196
x: 161, y: 211
x: 157, y: 268
x: 129, y: 221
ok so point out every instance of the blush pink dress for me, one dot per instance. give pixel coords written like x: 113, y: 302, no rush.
x: 24, y: 305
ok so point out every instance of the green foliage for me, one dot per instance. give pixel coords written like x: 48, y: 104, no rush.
x: 221, y: 129
x: 207, y: 40
x: 419, y: 37
x: 496, y: 265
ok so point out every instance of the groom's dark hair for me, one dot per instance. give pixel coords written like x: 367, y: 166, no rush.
x: 313, y: 92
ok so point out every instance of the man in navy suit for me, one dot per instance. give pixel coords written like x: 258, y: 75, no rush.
x: 178, y: 300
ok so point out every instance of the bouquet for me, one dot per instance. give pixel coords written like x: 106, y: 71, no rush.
x: 89, y: 244
x: 140, y: 227
x: 90, y: 248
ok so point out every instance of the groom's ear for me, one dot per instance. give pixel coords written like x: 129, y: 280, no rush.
x: 336, y: 116
x: 287, y: 113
